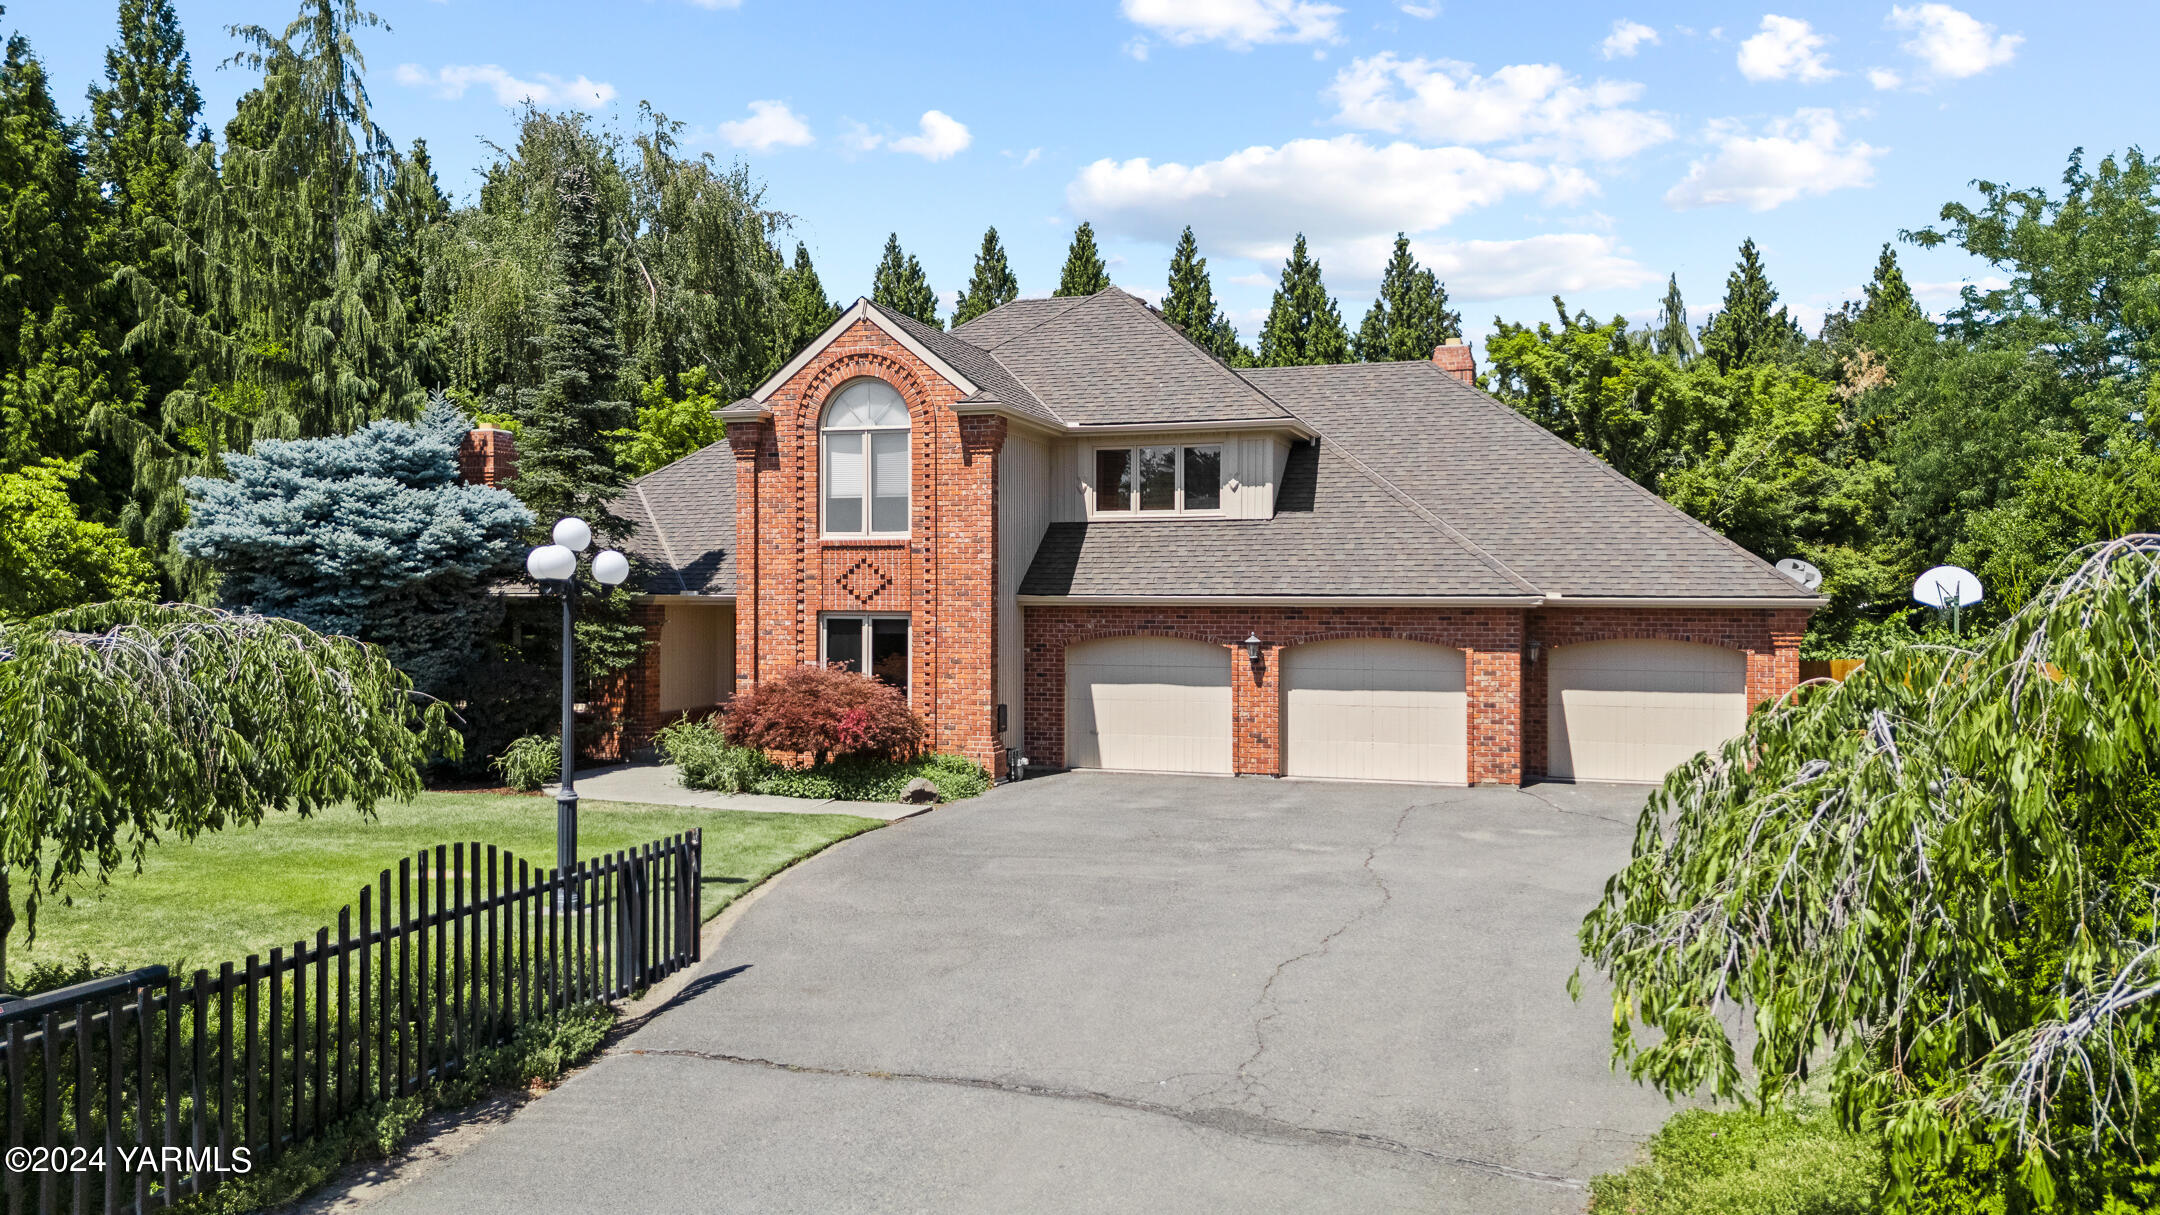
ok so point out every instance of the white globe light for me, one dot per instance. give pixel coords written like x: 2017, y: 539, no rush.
x: 573, y: 534
x: 551, y: 563
x: 610, y: 567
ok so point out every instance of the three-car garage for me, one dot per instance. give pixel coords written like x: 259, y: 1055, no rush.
x: 1384, y: 709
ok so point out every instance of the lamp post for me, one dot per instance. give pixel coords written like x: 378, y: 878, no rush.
x: 557, y: 564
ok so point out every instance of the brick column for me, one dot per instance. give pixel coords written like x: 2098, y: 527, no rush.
x: 1256, y: 711
x: 1493, y: 671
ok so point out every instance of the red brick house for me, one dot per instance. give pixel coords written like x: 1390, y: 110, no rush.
x: 1073, y: 536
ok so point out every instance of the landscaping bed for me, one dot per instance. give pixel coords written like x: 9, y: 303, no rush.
x: 245, y: 889
x: 707, y: 760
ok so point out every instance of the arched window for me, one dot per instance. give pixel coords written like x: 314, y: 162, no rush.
x: 865, y: 456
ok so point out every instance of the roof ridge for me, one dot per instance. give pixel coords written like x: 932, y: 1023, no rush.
x: 1193, y: 348
x: 660, y: 533
x: 1604, y: 468
x: 1418, y: 508
x: 1077, y: 300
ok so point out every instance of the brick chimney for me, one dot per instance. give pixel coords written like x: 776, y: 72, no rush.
x: 488, y: 456
x: 1456, y: 359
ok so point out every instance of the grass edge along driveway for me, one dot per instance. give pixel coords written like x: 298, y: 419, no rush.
x: 243, y: 890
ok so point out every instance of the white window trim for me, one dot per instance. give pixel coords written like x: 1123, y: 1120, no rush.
x: 1222, y: 492
x: 869, y: 457
x: 866, y: 618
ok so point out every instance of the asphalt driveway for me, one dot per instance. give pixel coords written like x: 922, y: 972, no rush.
x: 1112, y: 993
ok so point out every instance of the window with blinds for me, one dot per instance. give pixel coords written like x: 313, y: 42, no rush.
x: 864, y: 445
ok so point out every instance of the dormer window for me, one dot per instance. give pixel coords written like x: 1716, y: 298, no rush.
x: 1158, y: 480
x: 864, y: 452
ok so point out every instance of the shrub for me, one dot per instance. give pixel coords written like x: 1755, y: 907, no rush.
x: 1785, y: 1162
x: 707, y: 760
x: 530, y: 762
x: 823, y: 712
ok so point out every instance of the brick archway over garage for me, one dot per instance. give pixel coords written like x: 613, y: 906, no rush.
x: 1490, y: 638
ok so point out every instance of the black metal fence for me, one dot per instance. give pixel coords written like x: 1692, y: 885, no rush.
x: 129, y: 1093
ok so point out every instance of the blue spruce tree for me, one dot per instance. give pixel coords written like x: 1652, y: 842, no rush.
x: 370, y: 534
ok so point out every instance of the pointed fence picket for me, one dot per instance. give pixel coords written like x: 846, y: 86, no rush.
x: 131, y: 1092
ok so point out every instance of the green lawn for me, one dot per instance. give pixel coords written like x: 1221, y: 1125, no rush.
x: 241, y: 891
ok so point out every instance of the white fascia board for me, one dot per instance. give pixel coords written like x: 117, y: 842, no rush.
x: 861, y: 310
x: 1684, y: 601
x: 1025, y: 421
x: 1450, y: 601
x: 1118, y: 429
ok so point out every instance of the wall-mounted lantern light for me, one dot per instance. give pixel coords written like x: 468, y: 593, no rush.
x: 1252, y: 646
x: 1534, y: 647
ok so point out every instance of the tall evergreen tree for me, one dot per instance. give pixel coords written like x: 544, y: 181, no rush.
x: 1674, y: 337
x: 805, y: 311
x: 566, y: 458
x: 1304, y: 324
x: 143, y: 119
x: 1745, y: 332
x: 1887, y: 295
x: 992, y: 285
x: 1084, y: 272
x: 902, y: 286
x: 1189, y: 303
x: 59, y: 382
x: 1409, y: 316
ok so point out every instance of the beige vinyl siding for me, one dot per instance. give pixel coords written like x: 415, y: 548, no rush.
x: 697, y: 656
x: 1148, y: 704
x: 1252, y: 468
x: 1630, y: 711
x: 1024, y: 493
x: 1373, y: 709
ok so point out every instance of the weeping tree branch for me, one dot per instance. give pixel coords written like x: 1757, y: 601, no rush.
x: 123, y: 724
x: 1853, y: 870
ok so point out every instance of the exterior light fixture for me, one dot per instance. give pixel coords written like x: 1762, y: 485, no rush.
x: 554, y: 567
x: 1252, y: 646
x: 1534, y: 647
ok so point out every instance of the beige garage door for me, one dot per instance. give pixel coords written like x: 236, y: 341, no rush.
x: 1148, y: 704
x: 1375, y: 710
x: 1632, y: 710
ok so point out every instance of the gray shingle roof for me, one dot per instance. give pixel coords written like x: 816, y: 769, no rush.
x: 684, y: 514
x: 1001, y: 324
x: 991, y: 378
x: 1336, y: 531
x: 1109, y: 359
x: 1555, y: 514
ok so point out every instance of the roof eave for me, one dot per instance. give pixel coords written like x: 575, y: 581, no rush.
x: 1453, y: 601
x: 1285, y: 424
x: 1687, y: 601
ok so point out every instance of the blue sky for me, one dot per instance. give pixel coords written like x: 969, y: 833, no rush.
x: 1527, y: 149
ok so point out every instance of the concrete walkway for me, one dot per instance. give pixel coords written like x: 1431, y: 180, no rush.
x: 1100, y: 993
x: 661, y: 785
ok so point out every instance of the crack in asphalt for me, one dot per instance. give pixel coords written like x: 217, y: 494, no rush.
x: 1557, y: 808
x: 1215, y: 1118
x: 1266, y: 998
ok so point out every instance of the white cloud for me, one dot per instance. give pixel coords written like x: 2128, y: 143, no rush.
x: 1238, y: 24
x: 771, y: 124
x: 1423, y: 12
x: 1535, y: 108
x: 1953, y: 44
x: 1567, y: 263
x: 1626, y: 38
x: 1884, y: 78
x: 451, y: 80
x: 1786, y: 49
x: 714, y: 4
x: 1947, y: 293
x: 1792, y: 158
x: 941, y: 137
x: 1336, y: 190
x: 1136, y: 49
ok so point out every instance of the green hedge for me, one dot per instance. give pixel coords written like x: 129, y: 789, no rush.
x: 708, y: 761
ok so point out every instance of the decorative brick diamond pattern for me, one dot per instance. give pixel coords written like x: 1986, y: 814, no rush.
x: 864, y: 581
